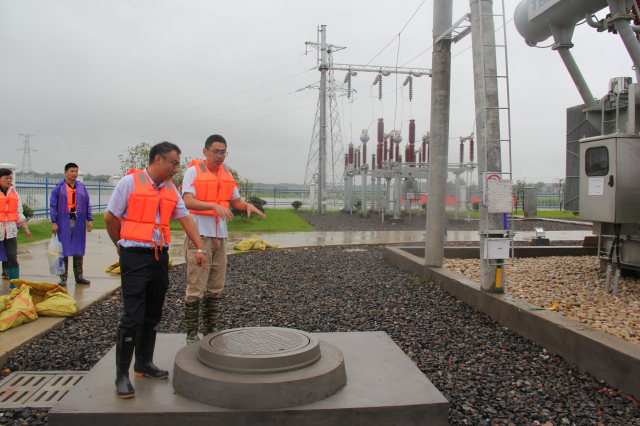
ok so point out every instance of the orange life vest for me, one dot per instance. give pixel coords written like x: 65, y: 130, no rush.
x: 212, y: 188
x: 144, y: 203
x: 9, y: 206
x: 71, y: 196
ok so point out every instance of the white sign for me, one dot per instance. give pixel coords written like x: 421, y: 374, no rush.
x: 411, y: 196
x: 596, y: 186
x: 536, y: 7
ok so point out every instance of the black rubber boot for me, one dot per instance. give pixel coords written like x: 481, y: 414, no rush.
x: 145, y: 344
x: 125, y: 343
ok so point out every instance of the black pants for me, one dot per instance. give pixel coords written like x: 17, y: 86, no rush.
x: 145, y: 281
x: 11, y: 251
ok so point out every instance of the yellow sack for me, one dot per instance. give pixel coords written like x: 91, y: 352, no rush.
x: 115, y: 267
x: 254, y: 243
x: 51, y: 300
x: 17, y: 307
x: 112, y: 267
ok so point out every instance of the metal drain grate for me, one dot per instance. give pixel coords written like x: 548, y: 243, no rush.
x: 37, y: 389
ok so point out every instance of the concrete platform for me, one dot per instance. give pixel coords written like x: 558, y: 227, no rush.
x: 383, y: 387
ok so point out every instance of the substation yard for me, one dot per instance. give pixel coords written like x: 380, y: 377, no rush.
x: 578, y: 285
x: 489, y: 374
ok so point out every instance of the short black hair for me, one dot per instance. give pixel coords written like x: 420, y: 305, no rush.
x: 5, y: 172
x: 70, y: 165
x: 162, y: 149
x: 214, y: 138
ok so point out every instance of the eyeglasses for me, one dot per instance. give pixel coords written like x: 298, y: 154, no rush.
x: 219, y: 153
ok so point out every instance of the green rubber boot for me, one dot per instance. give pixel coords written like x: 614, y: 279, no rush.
x: 210, y: 315
x: 191, y: 314
x: 63, y: 276
x: 77, y: 270
x: 14, y: 274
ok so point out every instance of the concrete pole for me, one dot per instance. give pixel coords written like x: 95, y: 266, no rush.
x: 457, y: 196
x: 486, y: 95
x: 364, y: 190
x: 440, y: 101
x: 322, y: 151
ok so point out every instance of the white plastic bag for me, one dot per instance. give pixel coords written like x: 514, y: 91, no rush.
x: 55, y: 256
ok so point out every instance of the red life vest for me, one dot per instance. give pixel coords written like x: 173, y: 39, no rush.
x: 144, y: 203
x: 212, y: 188
x: 71, y: 196
x: 9, y: 206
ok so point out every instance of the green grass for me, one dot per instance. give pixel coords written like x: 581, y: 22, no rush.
x: 277, y: 220
x: 550, y: 213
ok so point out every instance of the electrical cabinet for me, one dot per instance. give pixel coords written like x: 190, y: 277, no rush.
x: 610, y: 178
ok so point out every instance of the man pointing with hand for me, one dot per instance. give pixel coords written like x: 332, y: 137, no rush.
x: 137, y: 220
x: 208, y: 189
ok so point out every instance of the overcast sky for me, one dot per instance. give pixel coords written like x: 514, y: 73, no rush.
x: 90, y: 78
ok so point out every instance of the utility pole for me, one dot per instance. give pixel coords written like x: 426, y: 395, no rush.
x: 327, y: 121
x: 27, y: 168
x: 322, y: 153
x: 485, y: 72
x: 439, y: 145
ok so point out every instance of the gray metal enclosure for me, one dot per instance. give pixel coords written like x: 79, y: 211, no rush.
x: 577, y: 128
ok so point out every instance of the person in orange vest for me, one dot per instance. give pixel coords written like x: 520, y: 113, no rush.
x: 207, y: 188
x: 71, y: 219
x: 10, y: 216
x: 137, y: 219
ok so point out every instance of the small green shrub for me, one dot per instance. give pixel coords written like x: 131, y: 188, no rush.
x: 255, y: 200
x: 27, y: 212
x: 476, y: 206
x: 296, y: 204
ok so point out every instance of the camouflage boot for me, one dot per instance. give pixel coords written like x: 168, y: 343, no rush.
x: 63, y: 276
x: 191, y: 314
x: 209, y: 315
x: 77, y: 270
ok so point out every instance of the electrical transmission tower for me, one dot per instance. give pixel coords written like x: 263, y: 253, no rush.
x: 27, y: 169
x: 325, y: 164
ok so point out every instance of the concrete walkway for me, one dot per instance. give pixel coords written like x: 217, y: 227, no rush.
x: 101, y: 253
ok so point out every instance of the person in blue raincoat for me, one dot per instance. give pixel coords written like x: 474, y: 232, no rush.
x: 71, y: 219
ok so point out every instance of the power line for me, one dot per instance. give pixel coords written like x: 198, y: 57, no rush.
x: 405, y: 26
x: 189, y: 86
x: 193, y: 122
x: 199, y: 107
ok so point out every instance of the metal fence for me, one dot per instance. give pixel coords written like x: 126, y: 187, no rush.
x: 37, y: 194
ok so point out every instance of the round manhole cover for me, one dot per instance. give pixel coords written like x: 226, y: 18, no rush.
x: 255, y: 350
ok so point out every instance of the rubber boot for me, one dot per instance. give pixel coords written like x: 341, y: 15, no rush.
x: 209, y: 315
x: 125, y: 343
x: 5, y: 270
x: 191, y: 314
x: 145, y: 344
x: 63, y: 276
x: 77, y: 270
x: 14, y: 274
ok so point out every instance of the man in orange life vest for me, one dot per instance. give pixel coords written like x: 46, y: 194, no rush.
x: 137, y: 220
x: 207, y: 188
x: 71, y: 219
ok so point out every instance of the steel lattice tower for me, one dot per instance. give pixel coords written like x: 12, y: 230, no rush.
x: 334, y: 150
x: 27, y: 168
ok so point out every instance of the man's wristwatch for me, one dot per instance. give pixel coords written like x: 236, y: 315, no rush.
x: 201, y: 251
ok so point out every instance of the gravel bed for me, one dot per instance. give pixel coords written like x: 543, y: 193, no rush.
x: 340, y: 222
x: 489, y: 374
x: 577, y: 283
